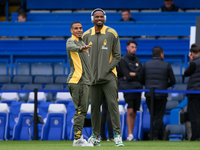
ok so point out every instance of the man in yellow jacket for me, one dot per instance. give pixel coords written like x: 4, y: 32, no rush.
x: 78, y: 80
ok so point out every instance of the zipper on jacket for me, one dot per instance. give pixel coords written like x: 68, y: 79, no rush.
x: 97, y: 57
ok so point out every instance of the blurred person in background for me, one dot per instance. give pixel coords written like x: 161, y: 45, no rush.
x: 169, y: 6
x: 126, y: 15
x: 193, y: 71
x: 128, y: 72
x: 21, y: 16
x: 159, y: 75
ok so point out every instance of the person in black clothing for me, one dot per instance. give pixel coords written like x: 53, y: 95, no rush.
x: 129, y: 68
x: 169, y: 6
x: 192, y: 119
x: 157, y: 74
x: 126, y: 15
x: 194, y: 84
x: 105, y: 119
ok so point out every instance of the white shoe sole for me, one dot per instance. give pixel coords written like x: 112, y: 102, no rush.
x: 119, y: 145
x: 83, y: 145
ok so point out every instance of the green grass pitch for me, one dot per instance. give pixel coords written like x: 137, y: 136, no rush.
x: 67, y: 145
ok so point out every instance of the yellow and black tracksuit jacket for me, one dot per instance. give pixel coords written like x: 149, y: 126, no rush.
x: 80, y: 70
x: 105, y: 53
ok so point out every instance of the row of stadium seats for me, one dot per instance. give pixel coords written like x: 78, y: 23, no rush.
x: 140, y: 17
x: 49, y: 57
x: 24, y: 96
x: 35, y: 68
x: 58, y: 121
x: 118, y: 4
x: 62, y: 29
x: 40, y: 82
x: 61, y: 79
x: 37, y: 79
x: 56, y: 47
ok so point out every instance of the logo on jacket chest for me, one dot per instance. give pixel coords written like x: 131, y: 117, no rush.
x: 104, y: 45
x: 136, y: 64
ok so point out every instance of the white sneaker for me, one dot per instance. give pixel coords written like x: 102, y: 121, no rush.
x: 130, y: 137
x: 118, y: 140
x: 93, y: 140
x: 81, y: 142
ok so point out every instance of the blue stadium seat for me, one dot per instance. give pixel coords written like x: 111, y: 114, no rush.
x: 58, y: 68
x: 178, y: 96
x: 4, y: 122
x: 23, y: 129
x: 5, y: 79
x: 32, y: 86
x: 51, y: 96
x: 22, y: 79
x: 70, y: 121
x: 11, y: 87
x: 63, y: 98
x: 179, y: 79
x: 23, y: 68
x: 176, y: 67
x: 177, y: 132
x: 24, y: 96
x: 54, y: 128
x: 43, y: 79
x: 62, y: 79
x: 169, y: 106
x: 145, y: 117
x: 186, y: 79
x: 41, y: 69
x: 180, y: 87
x: 41, y: 97
x: 3, y: 69
x: 121, y: 98
x: 9, y: 98
x: 14, y: 114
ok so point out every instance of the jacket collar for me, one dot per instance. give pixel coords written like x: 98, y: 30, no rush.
x: 131, y: 57
x: 102, y: 31
x: 157, y: 58
x: 76, y: 38
x: 198, y: 57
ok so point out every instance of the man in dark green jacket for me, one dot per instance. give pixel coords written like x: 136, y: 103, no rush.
x: 105, y: 54
x: 78, y: 80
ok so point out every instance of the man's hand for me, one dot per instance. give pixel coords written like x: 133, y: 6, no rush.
x: 85, y: 48
x: 132, y: 73
x: 191, y: 57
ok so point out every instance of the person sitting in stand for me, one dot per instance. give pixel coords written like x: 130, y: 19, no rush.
x: 126, y: 15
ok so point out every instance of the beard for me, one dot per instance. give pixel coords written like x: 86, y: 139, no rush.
x: 99, y: 25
